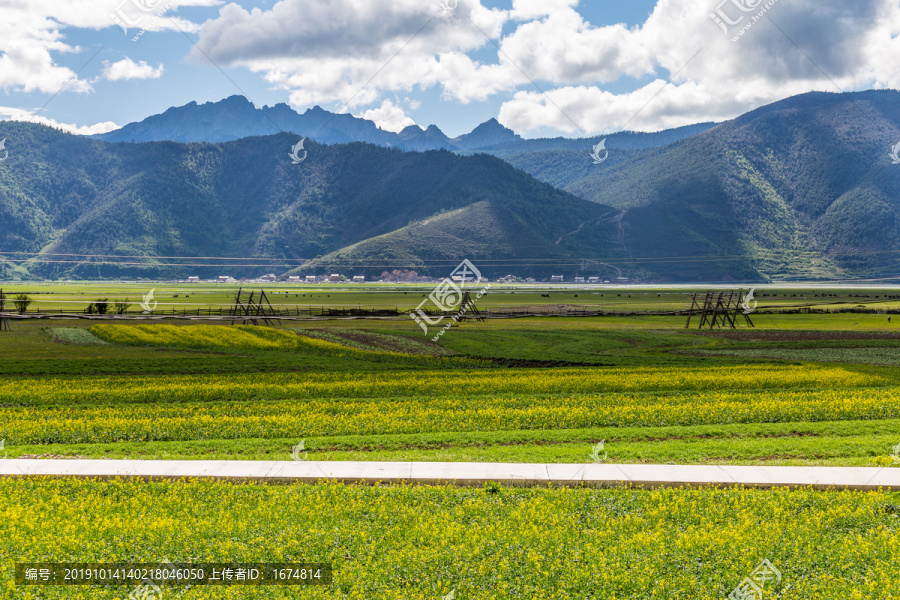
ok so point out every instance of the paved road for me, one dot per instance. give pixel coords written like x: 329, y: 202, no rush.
x: 460, y: 473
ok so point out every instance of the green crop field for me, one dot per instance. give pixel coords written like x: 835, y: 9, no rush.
x: 50, y: 297
x: 798, y: 389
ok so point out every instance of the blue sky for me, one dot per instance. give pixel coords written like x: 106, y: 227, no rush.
x: 602, y: 65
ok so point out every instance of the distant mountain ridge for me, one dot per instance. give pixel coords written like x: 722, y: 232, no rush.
x: 236, y: 117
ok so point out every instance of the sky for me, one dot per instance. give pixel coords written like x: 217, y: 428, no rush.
x: 541, y: 67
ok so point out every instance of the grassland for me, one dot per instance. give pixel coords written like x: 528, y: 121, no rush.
x: 800, y: 389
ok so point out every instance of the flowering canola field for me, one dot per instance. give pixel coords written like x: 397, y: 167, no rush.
x: 185, y: 407
x: 313, y: 417
x: 423, y: 542
x: 253, y: 338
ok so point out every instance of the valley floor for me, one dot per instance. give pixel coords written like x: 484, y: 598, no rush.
x: 800, y: 390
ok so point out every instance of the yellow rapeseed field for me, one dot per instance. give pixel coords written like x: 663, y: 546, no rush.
x: 271, y: 386
x: 423, y: 542
x: 273, y: 406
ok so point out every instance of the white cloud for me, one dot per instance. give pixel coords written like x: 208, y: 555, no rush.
x: 361, y: 52
x: 338, y: 51
x: 128, y: 69
x: 389, y: 117
x: 844, y: 47
x: 528, y: 10
x: 31, y: 31
x: 18, y: 114
x: 347, y: 50
x: 26, y: 65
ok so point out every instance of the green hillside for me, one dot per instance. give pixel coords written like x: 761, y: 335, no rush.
x: 800, y: 188
x: 62, y: 194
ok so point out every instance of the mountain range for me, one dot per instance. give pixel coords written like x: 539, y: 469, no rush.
x: 802, y: 188
x: 236, y: 117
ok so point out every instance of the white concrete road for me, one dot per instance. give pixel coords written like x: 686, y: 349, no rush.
x: 461, y: 473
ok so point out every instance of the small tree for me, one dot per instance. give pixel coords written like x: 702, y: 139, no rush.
x: 102, y: 306
x: 22, y: 301
x: 122, y: 306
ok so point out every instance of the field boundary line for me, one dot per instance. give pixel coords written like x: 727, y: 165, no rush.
x: 464, y: 473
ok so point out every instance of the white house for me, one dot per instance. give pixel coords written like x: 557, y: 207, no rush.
x: 193, y: 279
x: 556, y: 279
x: 359, y: 279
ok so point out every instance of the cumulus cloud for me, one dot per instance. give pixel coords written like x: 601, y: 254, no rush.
x: 348, y: 50
x: 597, y: 77
x: 389, y: 117
x: 357, y: 51
x: 796, y: 47
x: 528, y: 10
x: 128, y: 69
x: 18, y: 114
x: 32, y: 32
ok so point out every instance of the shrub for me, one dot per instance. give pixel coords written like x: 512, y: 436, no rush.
x: 22, y: 301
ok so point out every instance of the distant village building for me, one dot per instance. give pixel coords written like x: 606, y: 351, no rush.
x: 593, y: 280
x: 398, y: 275
x: 294, y: 278
x: 193, y: 279
x: 334, y: 277
x: 556, y: 279
x: 579, y: 280
x: 529, y: 280
x: 359, y: 279
x: 225, y: 279
x: 510, y: 279
x: 311, y: 279
x: 270, y: 277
